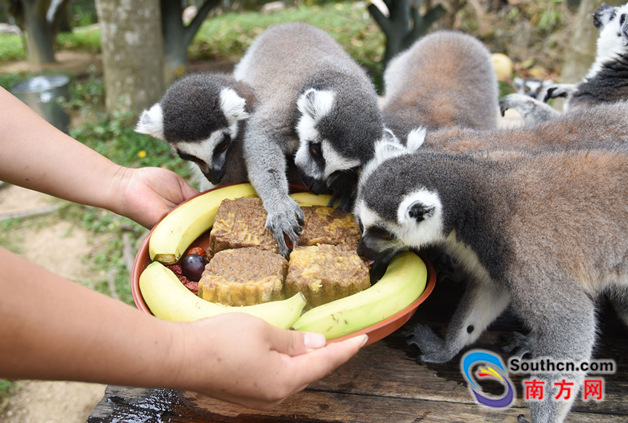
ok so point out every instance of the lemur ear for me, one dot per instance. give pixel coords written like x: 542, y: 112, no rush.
x: 416, y: 138
x: 419, y: 211
x: 315, y: 103
x: 232, y: 105
x: 385, y: 150
x: 151, y: 122
x: 389, y: 136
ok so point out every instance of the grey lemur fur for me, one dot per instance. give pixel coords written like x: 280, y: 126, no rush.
x: 601, y: 126
x: 542, y: 232
x: 444, y: 79
x: 317, y: 106
x: 605, y: 82
x: 202, y: 117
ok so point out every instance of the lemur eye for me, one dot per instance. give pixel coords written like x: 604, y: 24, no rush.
x: 186, y: 156
x: 224, y: 144
x: 315, y: 149
x: 361, y: 227
x: 382, y: 234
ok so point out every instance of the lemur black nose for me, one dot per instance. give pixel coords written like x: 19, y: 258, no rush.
x: 214, y: 175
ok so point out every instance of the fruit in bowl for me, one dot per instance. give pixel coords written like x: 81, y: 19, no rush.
x: 377, y: 310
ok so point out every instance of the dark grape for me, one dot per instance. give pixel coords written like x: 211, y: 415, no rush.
x: 193, y: 266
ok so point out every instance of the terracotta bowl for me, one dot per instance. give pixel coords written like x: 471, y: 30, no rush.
x: 375, y: 332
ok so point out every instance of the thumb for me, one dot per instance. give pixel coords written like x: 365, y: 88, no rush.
x: 293, y: 343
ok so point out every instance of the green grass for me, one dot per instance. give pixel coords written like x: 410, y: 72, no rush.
x: 11, y: 48
x: 85, y: 39
x: 229, y: 35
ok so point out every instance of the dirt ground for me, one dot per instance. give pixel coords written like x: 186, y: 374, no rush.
x: 60, y: 248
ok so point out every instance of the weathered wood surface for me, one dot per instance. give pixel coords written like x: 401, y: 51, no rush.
x: 384, y: 383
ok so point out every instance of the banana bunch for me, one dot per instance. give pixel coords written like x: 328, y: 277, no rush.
x: 403, y: 282
x: 169, y: 299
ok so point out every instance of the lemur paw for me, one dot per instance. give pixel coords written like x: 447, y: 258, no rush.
x: 285, y: 219
x: 559, y: 90
x: 514, y: 101
x: 518, y: 344
x: 432, y: 347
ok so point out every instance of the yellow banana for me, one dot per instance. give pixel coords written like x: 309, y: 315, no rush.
x: 168, y: 299
x: 403, y: 282
x: 175, y: 232
x: 306, y: 199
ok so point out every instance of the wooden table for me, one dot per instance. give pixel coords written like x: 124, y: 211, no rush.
x: 384, y: 383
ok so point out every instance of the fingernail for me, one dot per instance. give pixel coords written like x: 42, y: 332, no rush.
x: 365, y: 339
x: 314, y: 340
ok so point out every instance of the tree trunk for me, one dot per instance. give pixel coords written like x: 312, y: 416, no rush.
x: 583, y: 45
x: 39, y: 34
x: 178, y: 37
x: 132, y: 53
x: 404, y: 23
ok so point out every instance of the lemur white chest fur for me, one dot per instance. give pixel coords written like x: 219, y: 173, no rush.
x: 444, y: 79
x: 544, y: 233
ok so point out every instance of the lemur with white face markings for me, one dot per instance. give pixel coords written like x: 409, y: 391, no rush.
x: 444, y: 79
x: 297, y: 109
x: 202, y: 117
x: 316, y: 106
x: 542, y: 232
x: 605, y: 82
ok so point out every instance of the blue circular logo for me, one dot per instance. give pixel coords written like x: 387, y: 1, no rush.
x: 491, y: 367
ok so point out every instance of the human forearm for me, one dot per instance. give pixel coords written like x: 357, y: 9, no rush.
x: 55, y: 329
x: 36, y: 155
x: 52, y: 328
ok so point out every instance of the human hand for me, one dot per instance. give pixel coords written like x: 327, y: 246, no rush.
x: 147, y: 194
x: 242, y: 359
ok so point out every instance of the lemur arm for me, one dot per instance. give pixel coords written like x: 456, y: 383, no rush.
x: 266, y: 167
x: 482, y: 303
x: 532, y: 110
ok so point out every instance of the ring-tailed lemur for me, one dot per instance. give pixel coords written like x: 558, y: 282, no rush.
x: 532, y: 87
x: 605, y: 82
x: 444, y: 79
x: 601, y: 126
x: 202, y: 117
x: 544, y: 233
x: 316, y: 105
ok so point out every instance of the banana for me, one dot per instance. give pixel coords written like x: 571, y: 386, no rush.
x: 175, y: 232
x: 306, y: 199
x: 168, y: 299
x: 403, y: 282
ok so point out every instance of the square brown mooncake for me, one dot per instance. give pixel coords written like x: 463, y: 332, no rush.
x: 243, y: 276
x: 326, y: 225
x: 324, y: 273
x: 240, y: 223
